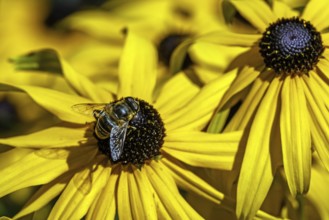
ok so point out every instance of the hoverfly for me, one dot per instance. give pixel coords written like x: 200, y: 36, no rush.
x: 112, y: 121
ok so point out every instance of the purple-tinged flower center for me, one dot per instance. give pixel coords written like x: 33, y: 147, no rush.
x: 291, y: 46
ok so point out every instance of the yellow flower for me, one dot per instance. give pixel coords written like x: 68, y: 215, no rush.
x: 23, y: 29
x: 283, y: 81
x: 66, y: 162
x: 172, y: 26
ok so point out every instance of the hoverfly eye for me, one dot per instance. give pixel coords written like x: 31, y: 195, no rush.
x: 133, y: 104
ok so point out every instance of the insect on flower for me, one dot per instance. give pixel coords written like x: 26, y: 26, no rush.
x: 112, y: 120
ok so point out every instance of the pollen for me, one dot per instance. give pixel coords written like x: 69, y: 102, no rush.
x: 291, y: 46
x: 144, y: 137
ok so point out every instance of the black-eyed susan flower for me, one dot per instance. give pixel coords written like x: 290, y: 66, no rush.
x: 283, y: 81
x: 170, y: 25
x: 23, y: 29
x: 71, y: 163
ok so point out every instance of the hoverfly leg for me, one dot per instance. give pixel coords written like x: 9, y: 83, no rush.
x: 96, y: 113
x: 130, y: 126
x: 129, y: 131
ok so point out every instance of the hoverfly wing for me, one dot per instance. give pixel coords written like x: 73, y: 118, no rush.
x: 88, y: 108
x: 117, y: 140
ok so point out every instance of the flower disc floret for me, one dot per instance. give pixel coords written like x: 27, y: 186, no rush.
x: 291, y: 46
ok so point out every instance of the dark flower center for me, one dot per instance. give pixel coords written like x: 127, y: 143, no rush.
x: 144, y: 136
x: 291, y: 46
x: 168, y: 45
x: 8, y: 116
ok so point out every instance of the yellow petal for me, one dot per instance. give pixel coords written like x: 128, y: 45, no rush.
x: 93, y: 61
x: 58, y: 103
x: 105, y: 205
x: 168, y: 100
x: 205, y: 74
x: 181, y: 137
x: 197, y: 113
x: 124, y: 206
x: 217, y: 161
x: 295, y: 136
x: 323, y: 65
x: 148, y: 10
x: 321, y: 84
x: 215, y: 54
x: 281, y: 10
x: 137, y: 68
x: 191, y: 182
x: 161, y: 171
x: 92, y: 207
x: 319, y: 120
x: 317, y: 13
x: 11, y: 156
x: 134, y: 199
x: 47, y: 80
x: 319, y: 191
x: 83, y: 86
x: 256, y: 175
x: 51, y: 59
x: 74, y: 202
x: 296, y: 3
x: 60, y: 137
x: 257, y: 12
x: 325, y: 41
x: 203, y: 149
x: 44, y: 195
x: 176, y: 206
x: 79, y: 211
x: 141, y: 199
x: 40, y: 167
x: 245, y: 77
x: 162, y: 211
x: 249, y: 105
x: 318, y: 86
x: 229, y: 39
x: 146, y: 195
x: 321, y: 141
x: 93, y: 22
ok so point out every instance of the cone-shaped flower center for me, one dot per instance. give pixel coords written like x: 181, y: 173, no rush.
x: 291, y: 46
x: 168, y: 45
x: 137, y: 137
